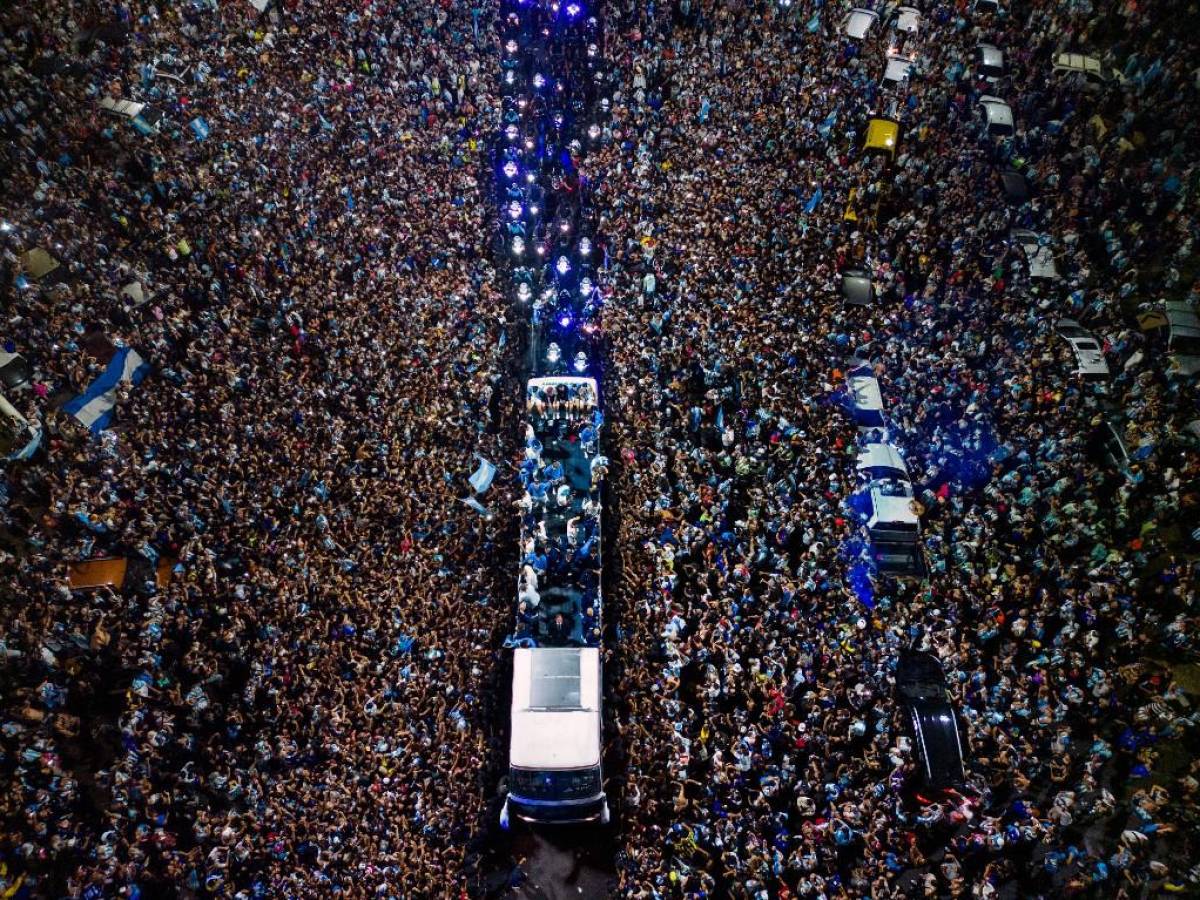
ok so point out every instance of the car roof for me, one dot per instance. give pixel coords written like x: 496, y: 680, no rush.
x: 1079, y: 62
x: 881, y: 456
x: 882, y: 134
x: 1015, y: 184
x: 897, y: 68
x: 990, y: 52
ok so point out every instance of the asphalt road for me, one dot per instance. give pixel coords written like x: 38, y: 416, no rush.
x: 567, y: 861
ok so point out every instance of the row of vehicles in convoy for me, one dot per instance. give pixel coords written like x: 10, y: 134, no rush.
x: 555, y: 88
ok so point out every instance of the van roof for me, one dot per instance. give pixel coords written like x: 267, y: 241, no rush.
x: 865, y: 391
x: 555, y: 708
x: 875, y: 457
x: 892, y: 509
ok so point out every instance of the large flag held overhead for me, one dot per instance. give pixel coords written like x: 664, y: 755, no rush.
x: 481, y: 479
x: 94, y: 407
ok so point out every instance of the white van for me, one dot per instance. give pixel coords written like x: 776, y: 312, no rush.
x: 879, y: 461
x: 1095, y: 73
x: 554, y: 773
x: 866, y: 400
x: 894, y: 529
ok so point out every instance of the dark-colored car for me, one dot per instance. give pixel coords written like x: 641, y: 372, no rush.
x: 857, y: 288
x: 921, y: 690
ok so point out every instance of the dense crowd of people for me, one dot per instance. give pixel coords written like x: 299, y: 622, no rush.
x: 299, y: 710
x: 759, y: 743
x: 292, y: 693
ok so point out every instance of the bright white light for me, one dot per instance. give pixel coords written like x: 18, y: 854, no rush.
x: 511, y: 46
x: 514, y: 210
x: 508, y: 77
x: 592, y: 50
x: 534, y: 210
x: 518, y: 245
x: 530, y: 177
x: 580, y: 362
x: 553, y: 354
x: 541, y: 249
x: 573, y: 10
x: 539, y: 81
x: 529, y: 144
x: 6, y: 227
x: 523, y: 292
x: 563, y: 265
x: 585, y: 286
x: 593, y: 131
x: 564, y: 226
x: 511, y: 132
x: 510, y: 169
x: 585, y: 246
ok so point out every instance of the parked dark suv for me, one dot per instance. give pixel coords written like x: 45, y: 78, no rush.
x: 921, y: 690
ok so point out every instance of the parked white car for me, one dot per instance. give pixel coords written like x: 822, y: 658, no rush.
x: 858, y: 22
x: 1089, y: 357
x: 897, y: 69
x: 998, y: 114
x: 907, y: 19
x: 989, y: 62
x: 1095, y: 72
x: 1038, y: 254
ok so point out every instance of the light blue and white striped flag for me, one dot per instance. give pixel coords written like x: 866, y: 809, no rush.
x: 94, y: 407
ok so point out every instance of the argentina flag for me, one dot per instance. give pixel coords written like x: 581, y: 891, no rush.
x: 94, y: 407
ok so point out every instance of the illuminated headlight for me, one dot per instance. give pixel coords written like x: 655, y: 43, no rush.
x: 585, y: 287
x: 564, y: 321
x: 564, y: 226
x: 523, y: 292
x: 585, y: 246
x: 534, y: 210
x: 510, y: 169
x: 508, y: 77
x: 528, y: 143
x: 593, y: 131
x: 581, y: 362
x: 541, y: 249
x: 514, y: 210
x: 529, y: 177
x: 553, y: 354
x: 539, y: 81
x: 512, y: 132
x: 511, y: 46
x: 518, y: 245
x: 563, y: 265
x: 573, y: 9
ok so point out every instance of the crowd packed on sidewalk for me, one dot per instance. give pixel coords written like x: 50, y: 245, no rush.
x: 297, y: 709
x: 759, y: 743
